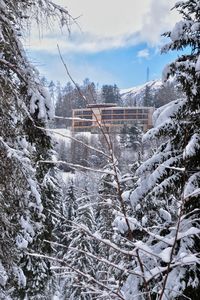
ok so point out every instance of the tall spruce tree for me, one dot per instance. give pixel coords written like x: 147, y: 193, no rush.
x: 108, y: 216
x: 148, y: 99
x: 26, y: 188
x: 166, y: 201
x: 80, y: 244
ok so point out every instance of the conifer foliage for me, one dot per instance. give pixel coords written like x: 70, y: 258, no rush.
x: 80, y: 245
x: 26, y: 185
x: 166, y: 200
x: 158, y: 234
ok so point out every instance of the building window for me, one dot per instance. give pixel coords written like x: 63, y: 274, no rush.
x: 106, y: 111
x: 142, y: 116
x: 107, y: 122
x: 118, y: 111
x: 119, y: 117
x: 106, y: 117
x: 87, y: 117
x: 87, y: 112
x: 130, y: 111
x: 87, y: 123
x: 131, y: 117
x: 78, y: 112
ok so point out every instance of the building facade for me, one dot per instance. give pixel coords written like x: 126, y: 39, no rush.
x: 112, y: 117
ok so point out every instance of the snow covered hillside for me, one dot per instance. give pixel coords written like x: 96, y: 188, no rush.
x: 134, y: 95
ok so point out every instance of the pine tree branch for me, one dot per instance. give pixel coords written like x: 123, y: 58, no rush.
x: 101, y: 259
x: 176, y: 232
x: 88, y: 277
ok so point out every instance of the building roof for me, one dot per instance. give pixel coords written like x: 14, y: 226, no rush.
x: 101, y: 105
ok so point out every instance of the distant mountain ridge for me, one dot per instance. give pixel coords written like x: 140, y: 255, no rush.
x: 152, y: 93
x: 134, y: 96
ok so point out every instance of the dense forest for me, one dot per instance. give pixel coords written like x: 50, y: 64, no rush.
x: 104, y: 216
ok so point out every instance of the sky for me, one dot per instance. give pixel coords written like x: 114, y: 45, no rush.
x: 114, y: 43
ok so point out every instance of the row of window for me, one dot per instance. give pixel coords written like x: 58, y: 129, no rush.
x: 82, y: 124
x: 86, y: 117
x: 113, y: 111
x: 82, y: 112
x: 126, y: 122
x: 125, y: 111
x: 117, y: 117
x: 123, y: 117
x: 90, y: 123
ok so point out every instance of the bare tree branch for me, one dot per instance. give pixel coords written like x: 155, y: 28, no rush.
x: 74, y: 139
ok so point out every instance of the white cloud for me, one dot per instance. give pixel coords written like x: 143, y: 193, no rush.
x: 108, y: 17
x: 84, y: 43
x: 52, y: 68
x: 143, y: 53
x: 158, y: 19
x: 108, y: 24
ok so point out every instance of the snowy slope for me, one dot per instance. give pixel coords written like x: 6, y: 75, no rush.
x: 134, y: 95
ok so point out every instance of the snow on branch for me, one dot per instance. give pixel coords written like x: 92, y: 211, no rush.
x: 86, y: 276
x: 101, y: 259
x: 74, y: 139
x: 74, y: 166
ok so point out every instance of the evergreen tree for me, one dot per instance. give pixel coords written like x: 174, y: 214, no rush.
x: 89, y: 91
x: 59, y: 123
x: 79, y: 152
x: 25, y: 193
x: 63, y: 150
x: 110, y: 94
x: 167, y: 197
x: 108, y: 214
x: 68, y: 103
x: 148, y: 99
x: 124, y: 136
x: 168, y: 92
x: 75, y: 286
x: 134, y: 138
x: 69, y: 98
x: 52, y: 89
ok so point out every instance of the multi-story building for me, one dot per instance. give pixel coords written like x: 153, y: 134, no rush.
x: 111, y: 116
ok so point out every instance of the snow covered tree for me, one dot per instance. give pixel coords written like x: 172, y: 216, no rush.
x: 148, y: 99
x: 123, y: 136
x: 107, y: 202
x: 79, y: 152
x: 52, y: 89
x: 63, y: 154
x: 25, y: 192
x: 59, y: 107
x: 130, y: 137
x: 109, y: 214
x: 166, y: 199
x: 80, y: 245
x: 168, y: 92
x: 134, y: 138
x: 69, y: 205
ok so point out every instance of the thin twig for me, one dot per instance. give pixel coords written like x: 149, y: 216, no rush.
x: 74, y: 139
x: 88, y: 277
